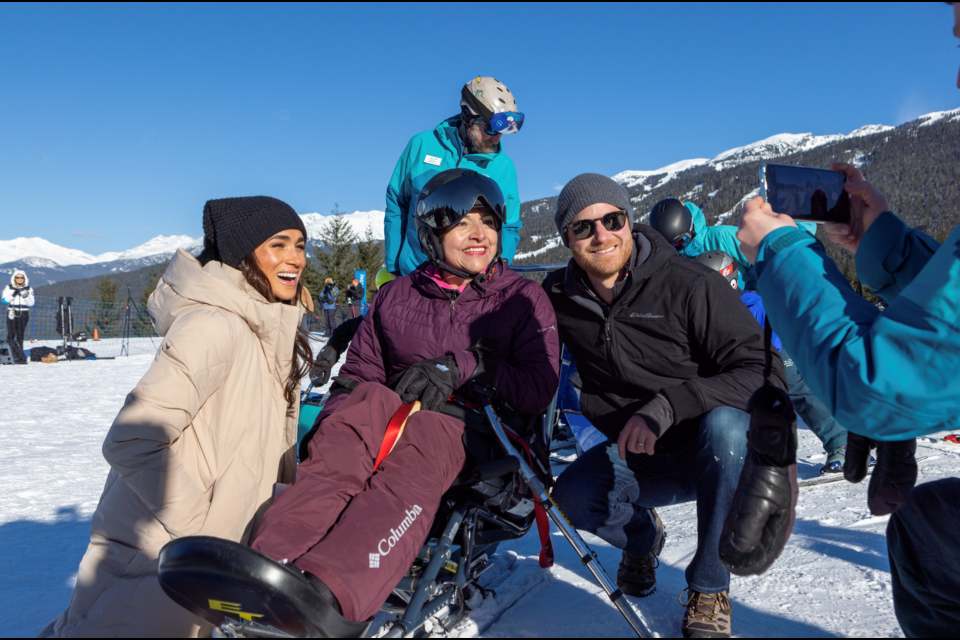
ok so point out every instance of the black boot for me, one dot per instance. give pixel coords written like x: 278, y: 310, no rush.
x: 637, y: 575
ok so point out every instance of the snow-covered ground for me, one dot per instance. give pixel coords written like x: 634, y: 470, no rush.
x: 832, y: 580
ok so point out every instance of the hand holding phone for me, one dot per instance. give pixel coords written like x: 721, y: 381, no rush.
x: 866, y: 205
x: 805, y: 193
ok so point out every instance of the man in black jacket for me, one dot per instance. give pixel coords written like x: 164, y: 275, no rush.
x: 668, y: 356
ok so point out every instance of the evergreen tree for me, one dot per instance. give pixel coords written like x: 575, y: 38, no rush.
x: 107, y: 290
x: 337, y: 259
x: 153, y: 279
x: 313, y: 282
x: 370, y: 258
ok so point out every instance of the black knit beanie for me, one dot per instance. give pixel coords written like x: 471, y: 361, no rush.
x: 237, y: 226
x: 584, y: 190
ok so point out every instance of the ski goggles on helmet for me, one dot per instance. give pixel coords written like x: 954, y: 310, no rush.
x: 503, y: 123
x: 448, y: 197
x: 683, y: 241
x: 613, y: 221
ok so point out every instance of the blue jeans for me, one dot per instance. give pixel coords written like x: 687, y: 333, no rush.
x: 610, y: 497
x: 809, y: 407
x: 923, y: 540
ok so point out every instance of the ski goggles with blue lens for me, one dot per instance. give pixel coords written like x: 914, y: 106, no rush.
x: 503, y: 123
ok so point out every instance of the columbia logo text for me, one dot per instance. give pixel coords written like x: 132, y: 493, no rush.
x: 387, y: 544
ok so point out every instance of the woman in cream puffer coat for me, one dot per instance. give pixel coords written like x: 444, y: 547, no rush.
x: 207, y: 432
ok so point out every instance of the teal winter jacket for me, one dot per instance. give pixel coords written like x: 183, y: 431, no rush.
x: 426, y: 155
x: 723, y: 237
x: 888, y: 375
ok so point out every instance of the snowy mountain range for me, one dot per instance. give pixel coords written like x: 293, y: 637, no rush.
x: 48, y: 263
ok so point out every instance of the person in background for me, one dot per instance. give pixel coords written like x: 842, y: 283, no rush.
x: 19, y: 297
x: 355, y: 295
x: 814, y: 414
x: 468, y: 140
x: 328, y: 298
x: 307, y: 301
x: 210, y: 428
x: 342, y: 336
x: 668, y: 357
x: 887, y: 375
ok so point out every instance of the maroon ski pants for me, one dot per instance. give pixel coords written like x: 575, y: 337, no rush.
x: 356, y: 529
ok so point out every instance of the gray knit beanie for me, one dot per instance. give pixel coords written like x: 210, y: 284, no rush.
x: 237, y: 226
x: 584, y: 190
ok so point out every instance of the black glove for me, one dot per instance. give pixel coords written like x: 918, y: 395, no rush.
x: 894, y: 476
x: 320, y: 373
x: 764, y: 507
x: 429, y: 381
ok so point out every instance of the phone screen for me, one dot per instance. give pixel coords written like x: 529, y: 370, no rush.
x: 805, y: 193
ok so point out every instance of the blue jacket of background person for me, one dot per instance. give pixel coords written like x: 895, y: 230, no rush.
x: 889, y: 375
x: 426, y: 155
x: 329, y: 302
x: 755, y: 303
x: 723, y: 237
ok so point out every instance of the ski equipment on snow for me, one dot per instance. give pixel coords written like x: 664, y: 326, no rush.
x: 444, y: 201
x: 674, y: 222
x: 721, y: 262
x: 764, y: 507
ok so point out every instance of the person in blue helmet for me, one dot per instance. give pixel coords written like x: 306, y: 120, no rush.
x: 468, y: 140
x: 685, y: 227
x: 814, y: 414
x: 889, y: 375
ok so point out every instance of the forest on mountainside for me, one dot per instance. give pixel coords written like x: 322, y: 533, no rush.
x: 916, y: 165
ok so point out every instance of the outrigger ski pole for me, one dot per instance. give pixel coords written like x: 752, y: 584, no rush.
x: 586, y: 554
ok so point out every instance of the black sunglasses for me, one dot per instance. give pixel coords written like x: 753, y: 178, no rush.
x: 613, y: 221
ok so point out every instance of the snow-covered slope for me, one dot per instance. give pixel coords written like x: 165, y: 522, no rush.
x: 359, y: 221
x: 160, y: 245
x: 774, y: 146
x: 20, y: 248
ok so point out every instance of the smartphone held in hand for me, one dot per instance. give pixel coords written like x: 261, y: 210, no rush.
x: 805, y: 193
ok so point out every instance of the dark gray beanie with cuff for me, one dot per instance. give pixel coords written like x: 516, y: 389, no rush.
x: 237, y: 226
x: 585, y: 190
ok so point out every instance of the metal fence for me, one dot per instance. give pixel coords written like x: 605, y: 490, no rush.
x: 108, y: 329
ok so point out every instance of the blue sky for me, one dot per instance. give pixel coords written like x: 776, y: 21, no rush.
x: 120, y: 121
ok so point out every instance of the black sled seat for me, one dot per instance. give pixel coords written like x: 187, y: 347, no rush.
x: 244, y: 593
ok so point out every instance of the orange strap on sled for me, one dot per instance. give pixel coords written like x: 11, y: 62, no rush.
x: 394, y: 428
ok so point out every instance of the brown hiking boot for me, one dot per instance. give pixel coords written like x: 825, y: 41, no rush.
x: 637, y: 576
x: 707, y: 615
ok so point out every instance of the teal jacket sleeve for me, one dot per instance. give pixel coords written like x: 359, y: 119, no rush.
x: 889, y: 375
x: 511, y: 230
x: 398, y: 204
x: 891, y: 254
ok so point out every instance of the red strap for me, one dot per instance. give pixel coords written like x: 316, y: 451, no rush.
x: 543, y: 524
x: 394, y: 429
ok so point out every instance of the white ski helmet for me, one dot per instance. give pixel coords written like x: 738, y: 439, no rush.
x: 484, y: 96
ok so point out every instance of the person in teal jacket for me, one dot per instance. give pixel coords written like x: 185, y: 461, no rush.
x: 723, y: 237
x: 463, y: 141
x: 889, y: 375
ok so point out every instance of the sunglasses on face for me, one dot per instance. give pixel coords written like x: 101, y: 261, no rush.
x: 584, y: 229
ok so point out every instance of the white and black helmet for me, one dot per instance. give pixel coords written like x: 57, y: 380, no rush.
x: 483, y: 96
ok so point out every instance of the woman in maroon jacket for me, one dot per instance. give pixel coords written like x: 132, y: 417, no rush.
x: 352, y: 529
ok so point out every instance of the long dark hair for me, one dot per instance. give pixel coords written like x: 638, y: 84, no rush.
x: 302, y: 354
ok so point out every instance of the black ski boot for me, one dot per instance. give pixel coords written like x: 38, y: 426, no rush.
x: 246, y: 593
x: 637, y: 576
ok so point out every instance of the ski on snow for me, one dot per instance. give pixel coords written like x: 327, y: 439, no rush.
x: 837, y: 477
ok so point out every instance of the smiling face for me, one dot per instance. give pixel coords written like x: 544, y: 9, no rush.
x: 470, y: 244
x: 603, y: 254
x: 282, y: 259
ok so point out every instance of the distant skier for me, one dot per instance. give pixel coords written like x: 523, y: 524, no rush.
x: 668, y: 356
x: 469, y: 140
x: 19, y: 296
x: 355, y: 294
x: 328, y: 298
x: 889, y: 376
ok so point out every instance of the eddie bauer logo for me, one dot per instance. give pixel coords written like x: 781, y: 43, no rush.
x: 644, y: 315
x: 387, y: 544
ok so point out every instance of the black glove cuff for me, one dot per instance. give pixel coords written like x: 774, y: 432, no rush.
x: 483, y: 383
x: 773, y: 426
